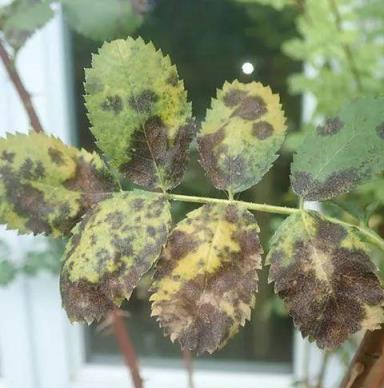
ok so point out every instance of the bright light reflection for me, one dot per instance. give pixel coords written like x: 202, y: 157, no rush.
x: 247, y: 68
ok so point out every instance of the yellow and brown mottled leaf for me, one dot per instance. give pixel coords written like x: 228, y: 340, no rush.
x: 206, y: 279
x: 139, y: 112
x: 243, y: 130
x: 115, y: 244
x: 46, y: 186
x: 324, y: 274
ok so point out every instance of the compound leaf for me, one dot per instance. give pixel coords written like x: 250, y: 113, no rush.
x: 139, y: 112
x: 324, y: 274
x: 115, y: 244
x: 206, y: 279
x: 20, y: 19
x: 344, y: 152
x: 46, y: 186
x: 242, y: 132
x: 102, y: 20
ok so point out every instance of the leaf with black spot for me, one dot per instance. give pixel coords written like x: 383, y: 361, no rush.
x: 139, y: 112
x: 345, y: 151
x: 323, y: 272
x: 46, y: 186
x: 103, y: 20
x: 21, y: 18
x: 241, y: 135
x: 206, y: 278
x: 115, y: 244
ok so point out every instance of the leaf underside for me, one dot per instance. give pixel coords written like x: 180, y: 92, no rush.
x: 46, y: 186
x: 20, y: 19
x: 139, y: 112
x: 243, y: 130
x: 115, y: 244
x: 206, y: 279
x: 323, y: 272
x: 344, y: 152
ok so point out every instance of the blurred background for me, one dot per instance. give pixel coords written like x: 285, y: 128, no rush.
x: 315, y: 54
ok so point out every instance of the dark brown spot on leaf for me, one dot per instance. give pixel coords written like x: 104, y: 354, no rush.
x: 8, y: 156
x: 233, y: 97
x: 331, y: 127
x: 312, y: 189
x: 380, y: 131
x: 262, y: 130
x: 56, y: 156
x: 143, y: 103
x: 251, y: 108
x: 172, y: 79
x: 113, y: 103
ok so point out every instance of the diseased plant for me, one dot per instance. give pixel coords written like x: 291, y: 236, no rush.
x: 205, y: 280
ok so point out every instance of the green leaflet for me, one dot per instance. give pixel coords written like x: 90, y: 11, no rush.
x: 139, y: 112
x: 46, y: 186
x: 20, y: 19
x: 324, y: 274
x: 116, y: 243
x: 206, y: 279
x: 347, y: 150
x: 101, y: 20
x: 242, y: 132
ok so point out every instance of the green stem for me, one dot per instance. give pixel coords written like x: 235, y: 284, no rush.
x: 249, y: 205
x: 262, y: 207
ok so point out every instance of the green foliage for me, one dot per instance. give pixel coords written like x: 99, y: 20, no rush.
x: 347, y: 150
x: 102, y: 20
x: 324, y: 274
x: 47, y: 186
x: 240, y: 136
x: 139, y: 112
x: 114, y: 245
x: 207, y: 277
x: 21, y: 18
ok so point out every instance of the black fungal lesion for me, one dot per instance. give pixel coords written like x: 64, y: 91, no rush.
x: 144, y: 102
x: 115, y: 219
x: 233, y: 97
x: 112, y: 104
x: 158, y: 163
x: 137, y: 204
x: 8, y: 156
x: 262, y: 130
x: 327, y: 310
x: 251, y: 108
x: 56, y: 156
x: 337, y: 183
x: 173, y: 78
x: 331, y: 127
x: 380, y: 131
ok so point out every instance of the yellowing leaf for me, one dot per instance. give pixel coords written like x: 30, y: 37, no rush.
x: 324, y: 274
x: 115, y: 244
x: 243, y: 130
x: 206, y: 279
x: 46, y: 186
x: 139, y: 112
